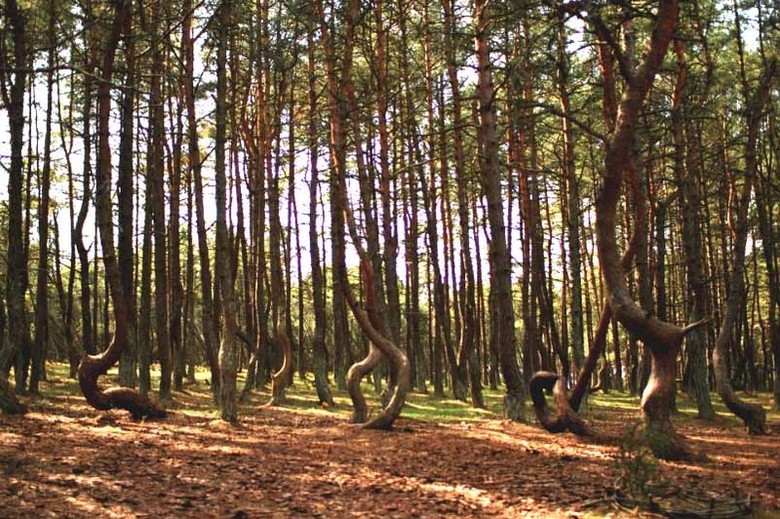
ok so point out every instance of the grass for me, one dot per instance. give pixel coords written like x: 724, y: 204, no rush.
x: 62, y: 392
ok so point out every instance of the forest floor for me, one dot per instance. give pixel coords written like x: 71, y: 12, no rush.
x: 443, y: 459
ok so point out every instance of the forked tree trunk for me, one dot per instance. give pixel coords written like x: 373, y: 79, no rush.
x: 93, y: 366
x: 663, y: 339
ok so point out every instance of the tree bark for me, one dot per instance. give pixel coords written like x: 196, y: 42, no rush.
x: 228, y: 348
x: 753, y: 415
x: 41, y: 339
x: 663, y: 339
x: 16, y: 277
x: 128, y: 363
x: 689, y: 201
x: 502, y: 312
x: 93, y: 366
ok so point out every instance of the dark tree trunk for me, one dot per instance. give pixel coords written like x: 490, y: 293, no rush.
x: 41, y: 340
x: 209, y: 321
x: 752, y: 415
x: 16, y: 278
x: 502, y: 311
x: 93, y: 366
x: 319, y: 349
x: 689, y: 199
x: 128, y: 363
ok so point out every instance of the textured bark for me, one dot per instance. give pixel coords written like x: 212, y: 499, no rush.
x: 686, y: 172
x: 93, y: 366
x: 663, y: 339
x: 228, y: 347
x: 371, y: 326
x: 17, y: 276
x: 566, y: 418
x: 279, y: 380
x: 502, y: 311
x: 753, y: 415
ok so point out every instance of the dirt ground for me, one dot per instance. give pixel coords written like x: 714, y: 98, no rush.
x: 65, y: 460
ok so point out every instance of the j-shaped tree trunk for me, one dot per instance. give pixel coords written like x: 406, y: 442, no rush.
x: 752, y: 415
x: 93, y: 366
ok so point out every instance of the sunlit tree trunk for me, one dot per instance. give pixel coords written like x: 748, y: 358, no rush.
x: 228, y: 349
x: 663, y: 339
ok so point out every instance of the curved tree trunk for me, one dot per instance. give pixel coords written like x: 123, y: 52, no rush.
x: 370, y: 324
x: 662, y: 339
x: 279, y: 380
x: 753, y: 415
x: 93, y: 366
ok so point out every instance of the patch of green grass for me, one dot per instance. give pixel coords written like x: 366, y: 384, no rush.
x: 62, y: 391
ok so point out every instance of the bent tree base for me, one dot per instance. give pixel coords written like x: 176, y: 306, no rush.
x: 139, y: 406
x: 566, y: 418
x: 657, y: 398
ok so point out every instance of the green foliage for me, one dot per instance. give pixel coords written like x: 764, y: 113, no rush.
x: 636, y: 463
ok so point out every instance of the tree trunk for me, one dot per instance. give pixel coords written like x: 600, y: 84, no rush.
x: 690, y: 201
x: 752, y: 415
x: 128, y: 363
x: 370, y: 324
x: 16, y: 278
x: 319, y: 349
x: 228, y: 348
x: 502, y: 312
x: 41, y: 340
x: 210, y: 329
x: 93, y: 366
x: 662, y: 339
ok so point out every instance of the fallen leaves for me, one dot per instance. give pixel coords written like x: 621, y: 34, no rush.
x: 282, y: 463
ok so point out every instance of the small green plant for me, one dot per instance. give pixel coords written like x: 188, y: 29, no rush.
x: 636, y: 464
